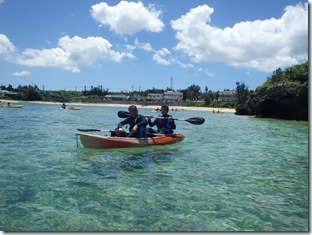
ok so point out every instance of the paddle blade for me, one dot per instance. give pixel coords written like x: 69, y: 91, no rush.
x: 196, y: 120
x: 123, y: 114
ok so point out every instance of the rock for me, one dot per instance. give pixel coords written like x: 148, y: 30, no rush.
x: 281, y: 101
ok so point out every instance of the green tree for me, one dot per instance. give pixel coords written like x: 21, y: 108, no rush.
x: 297, y: 73
x: 30, y: 93
x: 207, y: 99
x: 192, y: 92
x: 242, y: 93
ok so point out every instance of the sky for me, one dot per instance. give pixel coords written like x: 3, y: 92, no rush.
x: 141, y: 45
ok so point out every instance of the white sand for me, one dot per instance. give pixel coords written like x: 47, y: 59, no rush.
x: 209, y: 109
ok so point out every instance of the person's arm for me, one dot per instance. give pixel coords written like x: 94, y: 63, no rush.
x: 124, y: 122
x: 140, y: 121
x: 143, y: 121
x: 150, y: 123
x: 171, y: 122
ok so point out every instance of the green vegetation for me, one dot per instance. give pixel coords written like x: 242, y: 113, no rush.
x: 284, y: 95
x: 295, y: 75
x: 192, y: 96
x: 242, y: 96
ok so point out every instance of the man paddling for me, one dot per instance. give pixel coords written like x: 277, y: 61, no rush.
x: 136, y: 122
x: 165, y: 124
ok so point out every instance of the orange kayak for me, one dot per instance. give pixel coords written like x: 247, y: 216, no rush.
x: 104, y: 141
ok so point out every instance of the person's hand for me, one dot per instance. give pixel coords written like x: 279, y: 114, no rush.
x: 149, y: 117
x: 135, y: 128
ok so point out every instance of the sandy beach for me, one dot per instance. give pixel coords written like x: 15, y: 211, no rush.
x: 208, y: 109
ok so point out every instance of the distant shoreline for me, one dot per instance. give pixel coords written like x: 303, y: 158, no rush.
x: 209, y: 109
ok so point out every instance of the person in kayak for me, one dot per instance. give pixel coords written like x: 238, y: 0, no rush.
x: 137, y: 123
x: 63, y: 106
x: 165, y: 124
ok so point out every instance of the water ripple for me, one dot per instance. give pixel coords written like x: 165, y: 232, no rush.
x: 233, y: 173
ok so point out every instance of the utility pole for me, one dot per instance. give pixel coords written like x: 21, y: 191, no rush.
x: 171, y: 86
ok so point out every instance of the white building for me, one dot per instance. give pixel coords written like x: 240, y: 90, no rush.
x: 227, y: 95
x: 173, y: 96
x: 155, y: 97
x: 119, y: 97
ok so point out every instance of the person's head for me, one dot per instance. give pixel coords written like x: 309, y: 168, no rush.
x: 133, y: 111
x: 164, y: 109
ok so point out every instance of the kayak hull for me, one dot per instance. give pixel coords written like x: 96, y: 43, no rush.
x: 12, y: 106
x: 104, y: 142
x: 71, y: 108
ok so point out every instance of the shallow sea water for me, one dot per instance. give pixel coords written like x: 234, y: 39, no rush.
x: 233, y: 173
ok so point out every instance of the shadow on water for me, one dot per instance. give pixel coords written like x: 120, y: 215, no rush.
x: 143, y: 160
x: 111, y: 163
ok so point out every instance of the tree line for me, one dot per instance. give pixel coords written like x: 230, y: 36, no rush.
x: 191, y: 95
x: 295, y: 75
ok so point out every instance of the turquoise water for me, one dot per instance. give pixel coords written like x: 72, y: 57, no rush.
x: 233, y: 173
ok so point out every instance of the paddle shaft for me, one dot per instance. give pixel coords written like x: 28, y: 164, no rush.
x: 159, y: 117
x: 87, y: 130
x: 194, y: 120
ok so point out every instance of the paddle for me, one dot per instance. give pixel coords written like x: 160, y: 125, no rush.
x: 86, y: 130
x: 194, y: 120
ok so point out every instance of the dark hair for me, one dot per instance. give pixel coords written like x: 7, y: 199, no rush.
x: 132, y: 107
x: 166, y: 107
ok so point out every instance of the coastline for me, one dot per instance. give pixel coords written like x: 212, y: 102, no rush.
x: 209, y: 109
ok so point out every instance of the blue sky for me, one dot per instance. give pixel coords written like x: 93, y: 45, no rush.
x: 138, y: 45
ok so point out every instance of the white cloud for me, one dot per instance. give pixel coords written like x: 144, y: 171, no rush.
x: 144, y: 46
x: 160, y: 60
x: 159, y: 56
x: 163, y: 52
x: 207, y: 72
x: 128, y: 17
x: 264, y: 45
x: 162, y: 56
x: 22, y: 74
x: 182, y: 65
x: 71, y: 53
x: 7, y: 49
